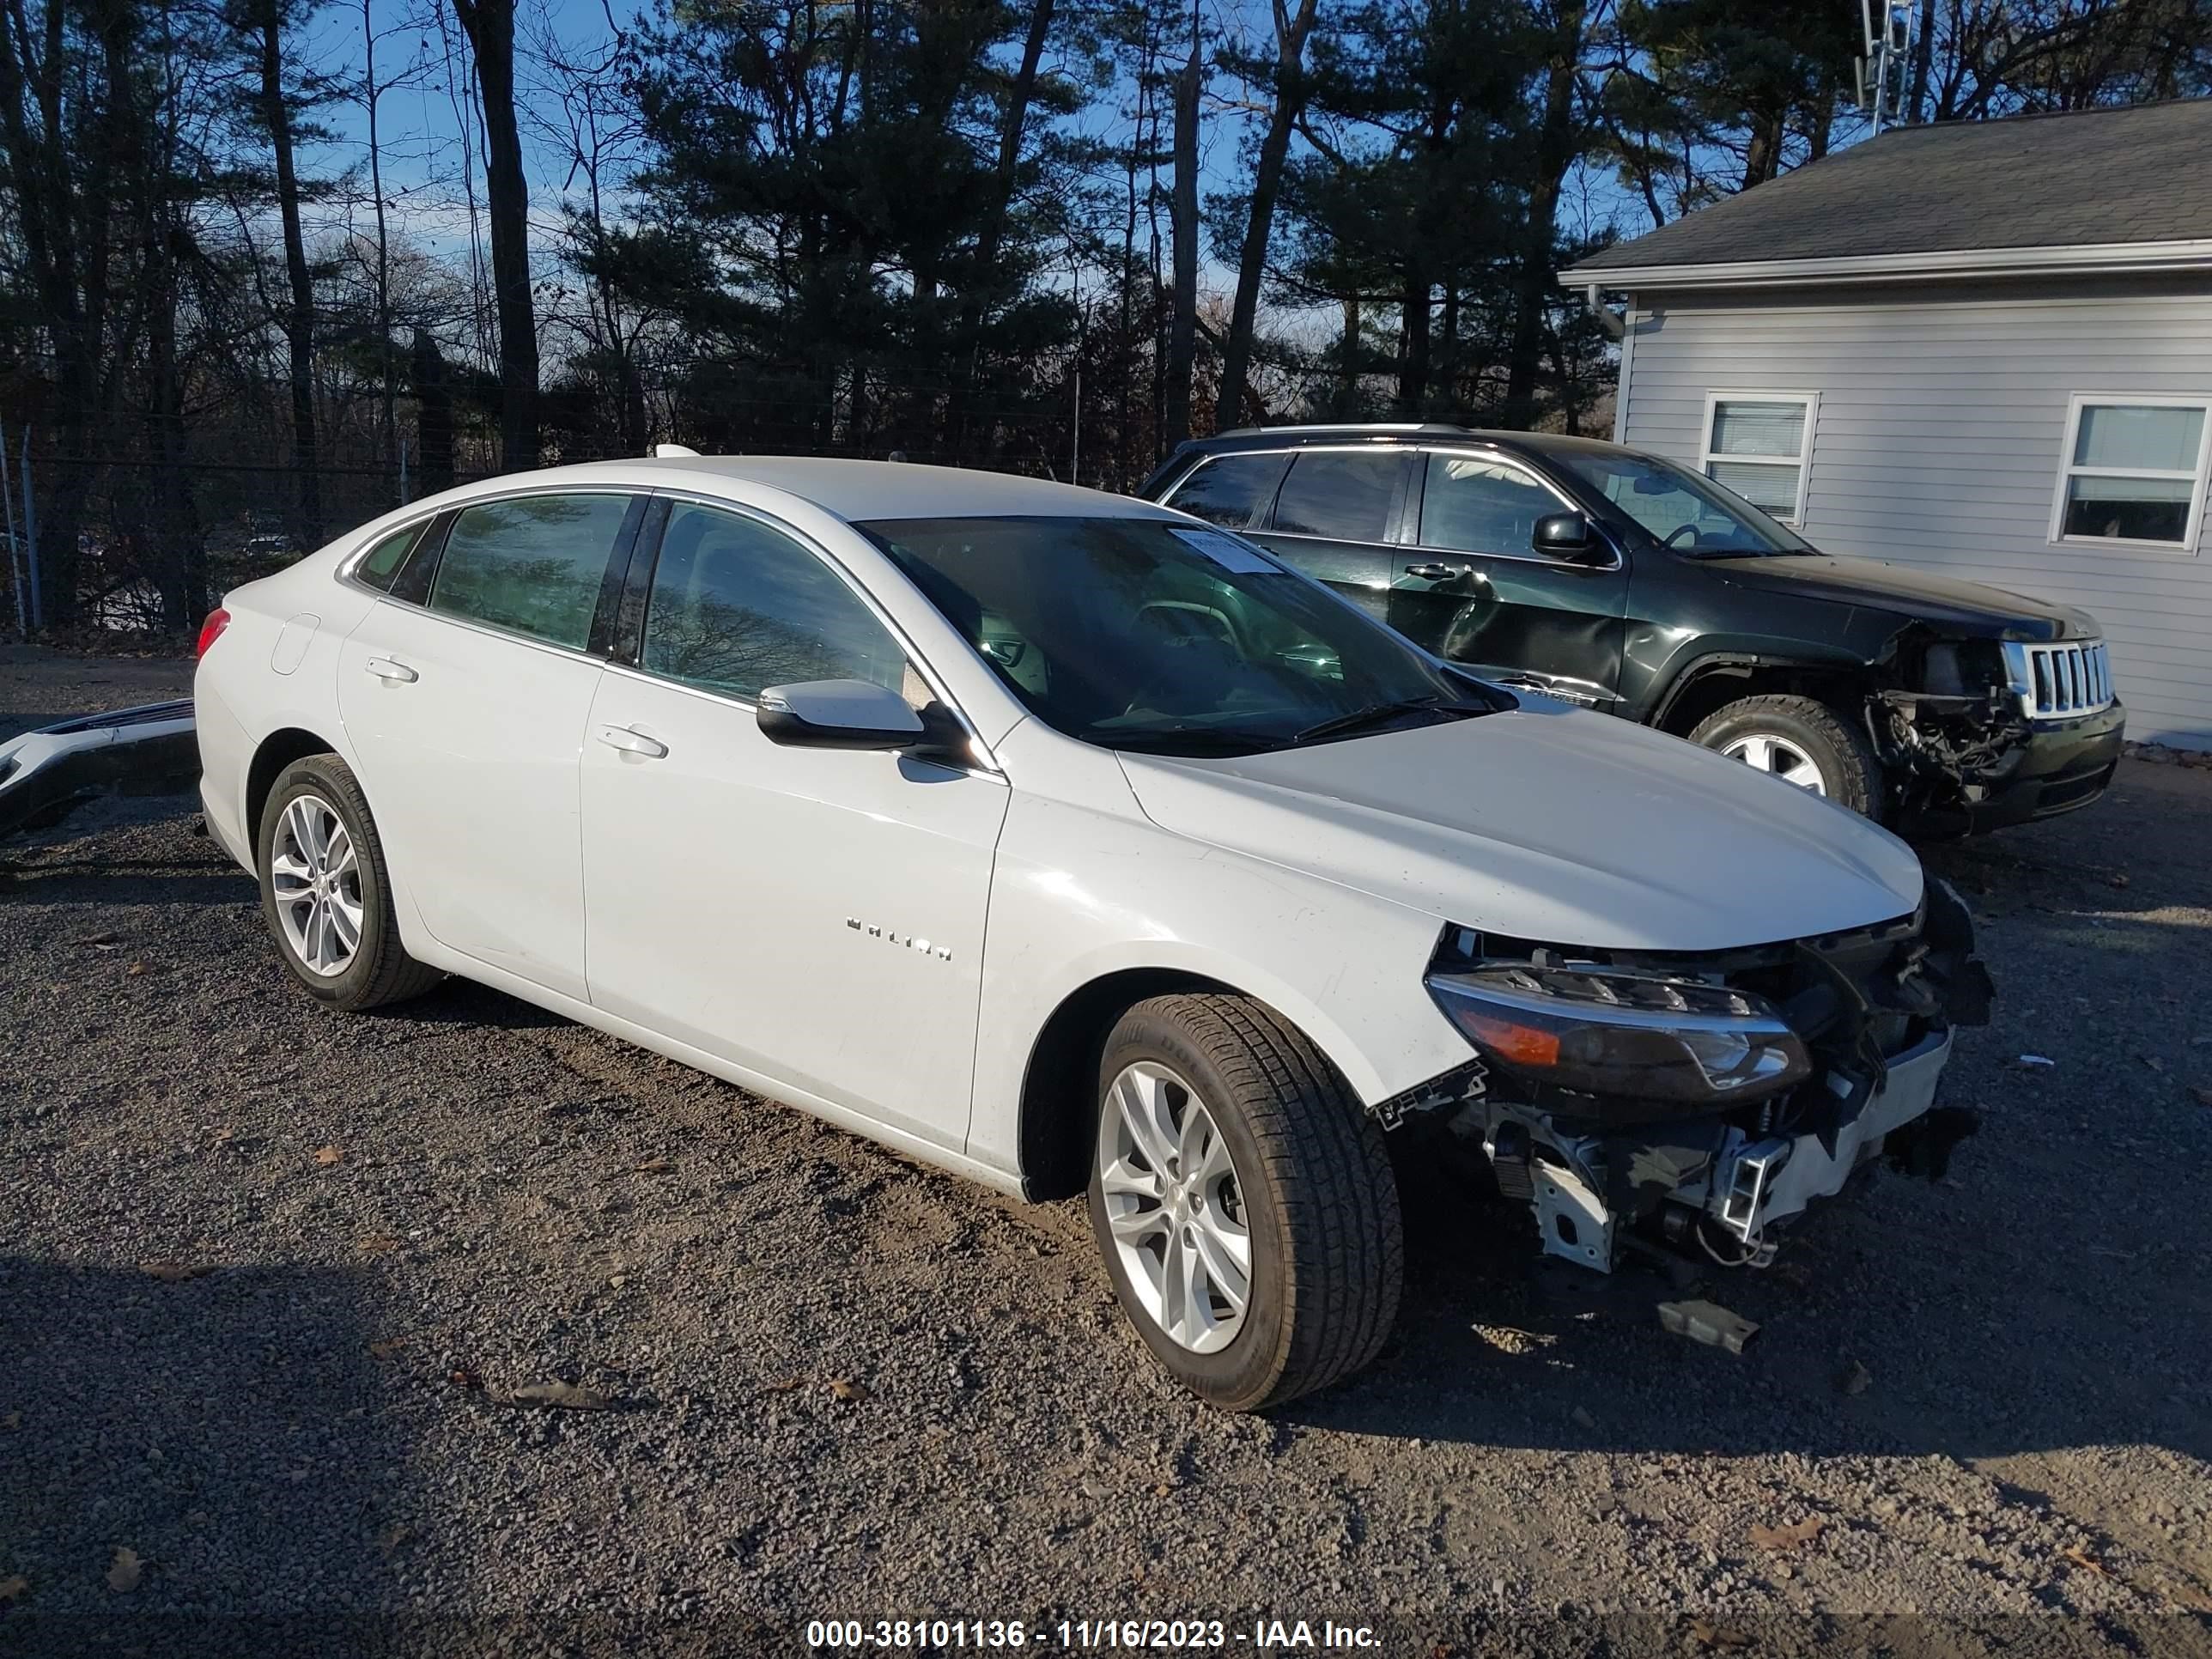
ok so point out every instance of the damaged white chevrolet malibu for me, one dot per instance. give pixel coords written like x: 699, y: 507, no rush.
x: 1062, y: 840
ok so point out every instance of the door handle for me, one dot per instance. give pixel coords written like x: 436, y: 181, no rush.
x: 632, y: 743
x: 1442, y: 572
x: 392, y: 674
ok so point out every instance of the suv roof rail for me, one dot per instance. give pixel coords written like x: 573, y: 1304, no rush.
x: 1346, y: 426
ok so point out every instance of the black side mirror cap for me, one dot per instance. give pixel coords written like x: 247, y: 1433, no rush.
x: 1565, y: 535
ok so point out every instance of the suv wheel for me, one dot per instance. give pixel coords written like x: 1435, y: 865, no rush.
x: 1799, y: 740
x: 1243, y: 1200
x: 325, y: 894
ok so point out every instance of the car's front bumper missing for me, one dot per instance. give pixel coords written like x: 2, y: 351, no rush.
x: 1710, y: 1186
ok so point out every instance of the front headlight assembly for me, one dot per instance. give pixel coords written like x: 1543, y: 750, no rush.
x: 1625, y: 1036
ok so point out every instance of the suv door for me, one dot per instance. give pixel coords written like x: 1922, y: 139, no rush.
x: 1471, y: 586
x: 464, y: 692
x: 1336, y: 518
x: 815, y: 915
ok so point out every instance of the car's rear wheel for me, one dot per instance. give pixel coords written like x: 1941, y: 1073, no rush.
x: 325, y: 892
x: 1243, y: 1202
x: 1801, y: 741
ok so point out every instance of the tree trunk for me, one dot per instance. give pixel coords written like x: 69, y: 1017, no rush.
x: 434, y: 416
x: 983, y: 287
x: 1347, y: 369
x: 1534, y: 279
x: 1924, y: 60
x: 300, y: 318
x: 489, y: 26
x: 1182, y: 226
x: 388, y: 423
x: 1290, y: 33
x: 1413, y: 341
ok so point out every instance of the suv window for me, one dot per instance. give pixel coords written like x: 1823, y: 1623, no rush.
x: 737, y: 606
x: 1345, y: 496
x: 1231, y: 490
x: 1478, y: 504
x: 532, y: 565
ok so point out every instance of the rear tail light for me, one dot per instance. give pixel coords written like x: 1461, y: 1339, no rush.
x: 211, y: 630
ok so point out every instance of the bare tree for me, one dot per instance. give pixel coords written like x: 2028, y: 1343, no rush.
x: 489, y: 26
x: 1182, y: 222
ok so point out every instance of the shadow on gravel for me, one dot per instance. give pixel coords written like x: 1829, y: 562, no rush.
x: 226, y: 1429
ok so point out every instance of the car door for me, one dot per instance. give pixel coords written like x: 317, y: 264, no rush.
x: 1471, y: 586
x: 812, y: 914
x: 1335, y: 518
x: 465, y: 691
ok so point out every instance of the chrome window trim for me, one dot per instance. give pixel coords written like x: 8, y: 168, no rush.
x: 808, y: 544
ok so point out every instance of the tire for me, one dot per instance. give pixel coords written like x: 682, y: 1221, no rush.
x: 1804, y: 727
x: 1309, y: 1182
x: 372, y: 969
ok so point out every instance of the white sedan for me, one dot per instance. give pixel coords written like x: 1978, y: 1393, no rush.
x: 1061, y: 840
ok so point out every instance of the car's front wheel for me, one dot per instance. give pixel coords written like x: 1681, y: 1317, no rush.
x: 1243, y: 1202
x: 325, y: 892
x: 1801, y: 741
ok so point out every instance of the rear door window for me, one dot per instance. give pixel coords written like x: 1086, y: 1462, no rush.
x: 1351, y: 497
x: 533, y: 565
x: 1232, y: 491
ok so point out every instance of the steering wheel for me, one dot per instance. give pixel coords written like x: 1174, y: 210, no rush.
x: 1689, y: 529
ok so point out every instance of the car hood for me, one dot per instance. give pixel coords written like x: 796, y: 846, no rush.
x: 1969, y: 610
x: 1547, y: 824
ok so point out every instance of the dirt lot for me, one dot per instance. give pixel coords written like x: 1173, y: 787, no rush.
x: 846, y: 1387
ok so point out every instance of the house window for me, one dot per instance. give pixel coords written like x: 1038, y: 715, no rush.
x: 1759, y: 443
x: 2134, y: 471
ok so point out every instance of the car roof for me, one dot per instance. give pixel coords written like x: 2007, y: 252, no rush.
x: 856, y: 490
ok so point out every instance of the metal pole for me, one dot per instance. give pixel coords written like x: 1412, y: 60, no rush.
x: 402, y: 472
x: 14, y: 571
x: 31, y: 535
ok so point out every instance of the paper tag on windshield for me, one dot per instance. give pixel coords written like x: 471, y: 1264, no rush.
x: 1225, y: 551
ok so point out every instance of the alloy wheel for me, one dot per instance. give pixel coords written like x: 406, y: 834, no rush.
x: 314, y: 874
x: 1777, y: 756
x: 1175, y: 1207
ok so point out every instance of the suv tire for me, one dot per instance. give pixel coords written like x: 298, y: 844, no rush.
x: 1221, y: 1123
x: 325, y: 892
x: 1779, y: 733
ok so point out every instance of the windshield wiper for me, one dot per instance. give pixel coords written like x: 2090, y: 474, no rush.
x: 1376, y: 714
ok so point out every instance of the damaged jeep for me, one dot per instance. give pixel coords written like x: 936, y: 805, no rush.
x: 1619, y: 580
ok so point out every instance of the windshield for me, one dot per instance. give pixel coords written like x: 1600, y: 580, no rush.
x: 1171, y: 638
x: 1678, y: 508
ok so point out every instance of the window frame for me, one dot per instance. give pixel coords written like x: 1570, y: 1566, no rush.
x: 2187, y: 548
x: 625, y: 655
x: 1716, y: 396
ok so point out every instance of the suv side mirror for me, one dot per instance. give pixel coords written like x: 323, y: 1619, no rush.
x: 1565, y: 536
x: 837, y: 715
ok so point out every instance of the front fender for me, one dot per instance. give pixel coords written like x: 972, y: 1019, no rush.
x: 1080, y: 894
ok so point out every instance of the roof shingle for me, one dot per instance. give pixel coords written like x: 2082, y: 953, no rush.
x: 2138, y: 175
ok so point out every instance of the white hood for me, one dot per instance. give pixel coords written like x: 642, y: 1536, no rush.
x: 1551, y: 825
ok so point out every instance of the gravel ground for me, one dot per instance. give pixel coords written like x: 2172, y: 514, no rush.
x: 270, y: 1280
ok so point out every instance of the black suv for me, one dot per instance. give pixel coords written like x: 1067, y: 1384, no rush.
x: 1616, y: 579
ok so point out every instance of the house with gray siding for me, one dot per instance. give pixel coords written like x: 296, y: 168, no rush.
x: 1982, y: 348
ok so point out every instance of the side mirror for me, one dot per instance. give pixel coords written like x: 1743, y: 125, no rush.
x: 1565, y: 536
x: 837, y: 715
